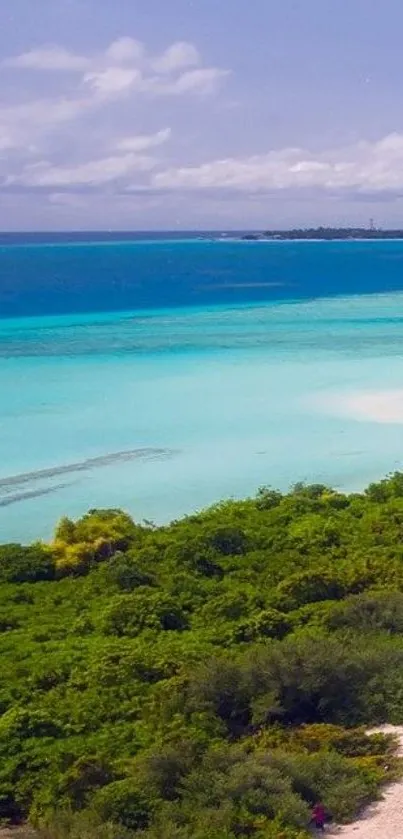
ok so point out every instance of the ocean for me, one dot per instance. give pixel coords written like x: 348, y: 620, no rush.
x: 161, y: 374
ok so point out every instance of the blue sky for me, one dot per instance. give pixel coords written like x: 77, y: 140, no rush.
x: 139, y: 114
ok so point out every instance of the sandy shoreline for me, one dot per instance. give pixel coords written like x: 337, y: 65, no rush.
x: 384, y: 818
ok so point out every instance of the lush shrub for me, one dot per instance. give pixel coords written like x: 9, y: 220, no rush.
x: 123, y: 572
x: 122, y: 803
x: 113, y: 526
x: 343, y: 786
x: 269, y: 623
x: 311, y: 586
x: 323, y: 737
x: 369, y: 612
x: 20, y: 564
x: 85, y: 825
x: 130, y: 614
x: 228, y: 541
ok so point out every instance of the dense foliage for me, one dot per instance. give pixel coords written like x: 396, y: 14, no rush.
x: 211, y: 678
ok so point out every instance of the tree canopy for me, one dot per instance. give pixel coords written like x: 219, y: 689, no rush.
x: 211, y: 678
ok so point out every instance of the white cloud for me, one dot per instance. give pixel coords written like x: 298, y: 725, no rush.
x: 142, y: 142
x: 91, y: 173
x: 126, y: 66
x: 113, y: 81
x: 130, y: 159
x: 125, y: 50
x: 362, y: 169
x: 117, y: 81
x: 22, y: 125
x: 176, y: 57
x: 84, y: 112
x: 50, y: 57
x: 363, y: 166
x: 204, y: 81
x: 201, y: 82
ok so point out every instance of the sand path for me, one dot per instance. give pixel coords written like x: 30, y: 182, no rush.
x: 384, y: 819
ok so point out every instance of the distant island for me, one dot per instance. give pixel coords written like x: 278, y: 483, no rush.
x: 326, y: 233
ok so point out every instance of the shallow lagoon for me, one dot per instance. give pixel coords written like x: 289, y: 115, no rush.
x: 197, y: 404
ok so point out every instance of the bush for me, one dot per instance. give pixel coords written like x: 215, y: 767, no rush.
x: 343, y: 786
x: 228, y: 541
x: 122, y: 803
x: 114, y: 526
x: 369, y: 612
x: 124, y: 573
x: 323, y: 737
x: 310, y: 587
x: 20, y: 564
x: 86, y: 825
x: 130, y: 614
x: 269, y: 623
x: 82, y: 778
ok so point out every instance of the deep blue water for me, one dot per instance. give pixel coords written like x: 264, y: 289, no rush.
x: 160, y: 375
x: 80, y: 276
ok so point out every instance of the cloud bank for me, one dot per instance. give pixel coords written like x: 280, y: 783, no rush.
x: 365, y: 166
x: 118, y: 122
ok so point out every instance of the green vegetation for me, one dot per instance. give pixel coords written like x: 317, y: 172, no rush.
x: 212, y: 678
x: 327, y: 233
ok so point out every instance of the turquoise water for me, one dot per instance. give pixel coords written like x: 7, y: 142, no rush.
x: 164, y: 411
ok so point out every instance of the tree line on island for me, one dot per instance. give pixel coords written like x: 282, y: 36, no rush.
x: 326, y: 233
x: 210, y: 678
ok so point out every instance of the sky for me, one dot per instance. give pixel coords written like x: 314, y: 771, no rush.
x: 200, y: 114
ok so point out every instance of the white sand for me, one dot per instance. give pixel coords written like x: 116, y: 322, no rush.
x: 383, y: 820
x: 380, y: 406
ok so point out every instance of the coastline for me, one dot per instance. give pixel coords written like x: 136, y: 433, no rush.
x: 15, y: 239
